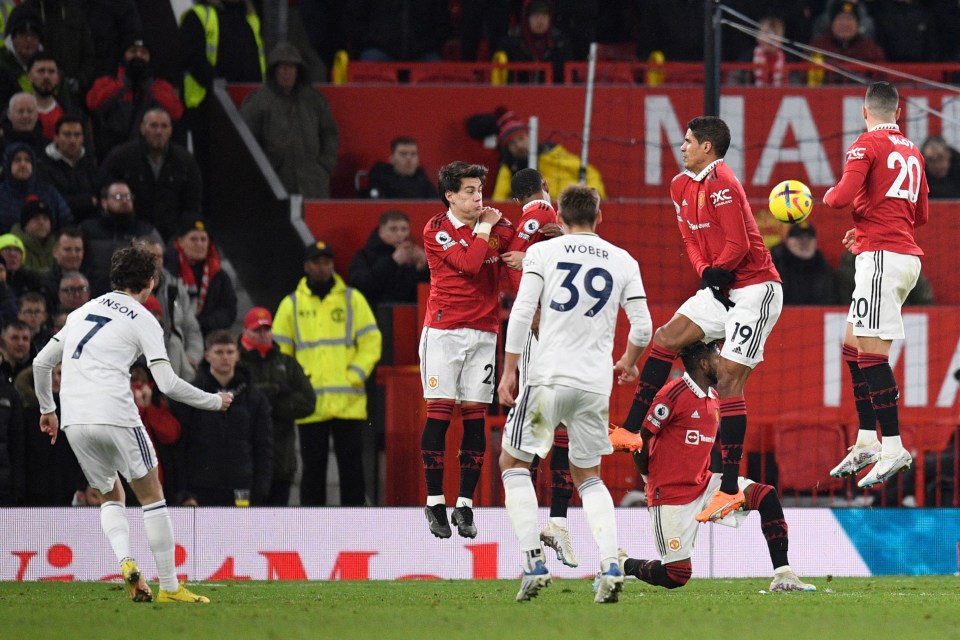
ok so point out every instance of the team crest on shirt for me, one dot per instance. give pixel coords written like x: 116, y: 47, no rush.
x: 856, y: 153
x: 494, y: 242
x: 701, y: 200
x: 433, y: 382
x: 444, y: 240
x: 674, y: 544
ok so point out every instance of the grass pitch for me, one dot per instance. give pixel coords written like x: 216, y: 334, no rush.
x: 848, y: 608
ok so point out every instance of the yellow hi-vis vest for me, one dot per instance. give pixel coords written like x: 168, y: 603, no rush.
x: 193, y: 91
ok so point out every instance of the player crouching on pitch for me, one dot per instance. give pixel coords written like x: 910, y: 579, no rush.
x: 678, y: 434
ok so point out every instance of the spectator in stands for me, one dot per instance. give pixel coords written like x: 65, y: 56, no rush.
x: 21, y: 182
x: 113, y: 24
x: 67, y: 167
x: 922, y: 294
x: 52, y: 103
x: 67, y: 256
x: 338, y: 357
x: 942, y: 165
x: 8, y: 300
x: 232, y: 449
x: 401, y: 177
x: 34, y: 229
x: 118, y: 102
x: 163, y: 175
x: 113, y: 230
x: 12, y: 445
x: 67, y: 37
x: 537, y: 39
x: 51, y: 471
x: 181, y: 331
x: 391, y: 265
x: 905, y: 31
x: 195, y: 261
x: 280, y: 378
x: 18, y: 279
x: 73, y: 291
x: 807, y: 276
x: 823, y: 22
x: 294, y: 125
x: 385, y: 30
x: 175, y: 350
x: 14, y: 349
x: 558, y: 166
x: 845, y: 37
x: 162, y: 426
x: 23, y: 36
x: 32, y: 311
x: 21, y: 123
x: 769, y: 60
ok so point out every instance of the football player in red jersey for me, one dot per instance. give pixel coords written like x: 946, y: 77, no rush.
x: 739, y: 302
x: 884, y: 178
x: 678, y: 435
x: 459, y: 339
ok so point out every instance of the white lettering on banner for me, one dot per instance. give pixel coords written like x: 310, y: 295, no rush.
x: 66, y: 544
x: 853, y: 124
x: 794, y: 114
x: 914, y: 349
x: 950, y: 386
x: 732, y: 109
x: 916, y: 113
x: 951, y: 121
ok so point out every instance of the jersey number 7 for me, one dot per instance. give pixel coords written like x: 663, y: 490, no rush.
x: 98, y: 323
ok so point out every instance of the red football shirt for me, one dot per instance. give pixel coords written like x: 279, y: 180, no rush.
x: 884, y: 177
x: 718, y: 226
x: 684, y: 421
x: 464, y: 273
x: 535, y: 215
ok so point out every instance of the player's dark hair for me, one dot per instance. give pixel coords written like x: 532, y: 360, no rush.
x: 579, y: 205
x: 399, y: 140
x: 713, y: 129
x: 691, y: 354
x: 220, y: 336
x: 525, y: 183
x: 882, y: 99
x: 131, y: 269
x: 390, y: 215
x: 452, y: 174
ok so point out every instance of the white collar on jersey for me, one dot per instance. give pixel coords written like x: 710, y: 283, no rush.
x: 886, y: 126
x: 534, y: 202
x: 697, y: 391
x: 454, y: 220
x: 703, y: 174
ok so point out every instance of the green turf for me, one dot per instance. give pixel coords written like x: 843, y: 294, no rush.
x: 870, y: 608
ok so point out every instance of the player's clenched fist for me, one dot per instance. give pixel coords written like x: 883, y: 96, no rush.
x: 226, y: 398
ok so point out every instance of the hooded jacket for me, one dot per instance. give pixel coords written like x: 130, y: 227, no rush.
x: 374, y: 273
x: 14, y: 192
x: 297, y: 131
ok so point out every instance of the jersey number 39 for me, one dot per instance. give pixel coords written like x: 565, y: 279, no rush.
x: 589, y: 282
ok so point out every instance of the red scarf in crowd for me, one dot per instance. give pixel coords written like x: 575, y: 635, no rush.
x: 768, y: 67
x: 211, y: 267
x: 250, y: 345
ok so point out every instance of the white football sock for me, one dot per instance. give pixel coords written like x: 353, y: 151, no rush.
x: 156, y: 521
x: 464, y: 502
x: 113, y: 521
x: 433, y: 501
x: 598, y: 509
x: 520, y: 498
x: 560, y: 522
x: 891, y: 446
x: 866, y: 437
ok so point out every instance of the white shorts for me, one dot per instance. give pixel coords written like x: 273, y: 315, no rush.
x: 675, y: 526
x: 458, y: 364
x: 882, y: 281
x: 745, y: 327
x: 540, y: 409
x: 523, y: 365
x: 102, y: 450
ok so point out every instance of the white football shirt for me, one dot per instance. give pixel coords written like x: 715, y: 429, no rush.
x: 580, y: 282
x: 96, y: 347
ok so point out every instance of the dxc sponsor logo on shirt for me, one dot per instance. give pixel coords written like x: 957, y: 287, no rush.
x: 722, y: 197
x: 856, y: 153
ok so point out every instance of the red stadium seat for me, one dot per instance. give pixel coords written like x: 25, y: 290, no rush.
x: 805, y: 454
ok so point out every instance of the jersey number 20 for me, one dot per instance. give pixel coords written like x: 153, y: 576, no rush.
x: 909, y: 172
x: 601, y: 295
x: 98, y: 323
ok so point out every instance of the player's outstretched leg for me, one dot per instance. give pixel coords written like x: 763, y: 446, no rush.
x: 866, y: 450
x: 763, y: 498
x: 555, y: 534
x: 159, y: 529
x: 653, y: 376
x: 884, y: 395
x: 472, y: 449
x: 599, y: 512
x: 669, y: 576
x: 520, y: 500
x: 733, y: 429
x: 432, y: 452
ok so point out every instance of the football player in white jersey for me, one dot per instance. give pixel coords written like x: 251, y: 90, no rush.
x: 580, y: 282
x: 96, y: 347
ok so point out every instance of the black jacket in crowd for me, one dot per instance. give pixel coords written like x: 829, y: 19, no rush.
x: 385, y: 183
x: 379, y: 278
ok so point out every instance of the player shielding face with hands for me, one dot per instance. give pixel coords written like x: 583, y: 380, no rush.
x: 885, y: 180
x: 580, y: 282
x: 96, y: 347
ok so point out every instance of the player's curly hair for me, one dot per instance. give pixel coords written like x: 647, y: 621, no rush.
x: 131, y: 269
x: 713, y: 129
x: 452, y: 174
x: 526, y: 182
x: 691, y: 354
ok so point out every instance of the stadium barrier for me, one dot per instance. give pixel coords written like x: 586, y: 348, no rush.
x: 218, y: 544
